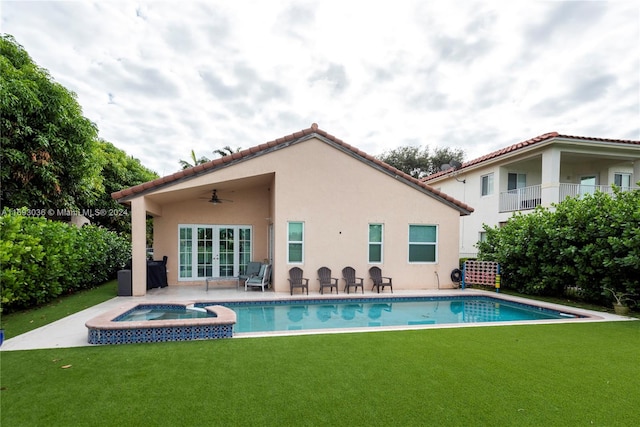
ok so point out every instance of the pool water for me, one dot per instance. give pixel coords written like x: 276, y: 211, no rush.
x: 143, y: 313
x: 367, y: 312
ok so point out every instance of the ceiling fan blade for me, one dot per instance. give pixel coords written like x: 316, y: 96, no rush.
x: 216, y: 200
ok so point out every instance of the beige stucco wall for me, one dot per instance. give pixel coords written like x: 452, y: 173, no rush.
x: 336, y: 195
x: 249, y: 207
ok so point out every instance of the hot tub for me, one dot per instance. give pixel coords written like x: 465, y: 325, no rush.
x: 113, y: 328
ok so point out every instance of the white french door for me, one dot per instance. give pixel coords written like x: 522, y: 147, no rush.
x: 213, y: 250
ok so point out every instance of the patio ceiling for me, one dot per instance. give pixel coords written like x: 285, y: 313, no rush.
x: 225, y: 189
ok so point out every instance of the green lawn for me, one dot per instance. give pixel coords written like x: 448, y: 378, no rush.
x: 20, y: 322
x: 551, y: 375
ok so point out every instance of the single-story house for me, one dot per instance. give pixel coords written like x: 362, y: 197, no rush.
x: 539, y: 171
x: 305, y: 200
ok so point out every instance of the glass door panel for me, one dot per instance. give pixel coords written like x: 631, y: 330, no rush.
x: 206, y: 259
x: 213, y: 251
x: 226, y: 252
x: 588, y: 185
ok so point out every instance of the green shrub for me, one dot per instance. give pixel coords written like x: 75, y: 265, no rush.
x: 42, y: 259
x: 585, y: 243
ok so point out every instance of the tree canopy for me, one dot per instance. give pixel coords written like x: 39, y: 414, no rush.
x: 583, y: 244
x: 119, y: 171
x: 48, y: 148
x: 194, y: 160
x: 419, y: 162
x: 52, y: 157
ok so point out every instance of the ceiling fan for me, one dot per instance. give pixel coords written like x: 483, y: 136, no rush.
x: 216, y: 200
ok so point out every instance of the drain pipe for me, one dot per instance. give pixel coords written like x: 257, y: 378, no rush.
x: 437, y: 277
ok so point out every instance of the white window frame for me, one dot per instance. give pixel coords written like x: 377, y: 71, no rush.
x: 295, y: 242
x: 486, y: 189
x: 380, y: 243
x: 434, y: 244
x: 618, y: 176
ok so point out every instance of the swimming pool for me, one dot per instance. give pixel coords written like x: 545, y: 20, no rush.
x: 138, y: 322
x: 348, y: 313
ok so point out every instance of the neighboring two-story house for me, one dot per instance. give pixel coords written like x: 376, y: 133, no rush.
x: 540, y: 171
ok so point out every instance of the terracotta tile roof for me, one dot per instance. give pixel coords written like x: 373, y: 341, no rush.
x: 258, y: 149
x: 528, y: 143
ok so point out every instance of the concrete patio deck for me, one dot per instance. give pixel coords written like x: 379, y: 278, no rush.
x: 72, y: 332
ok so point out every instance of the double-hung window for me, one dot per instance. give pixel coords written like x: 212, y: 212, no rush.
x: 295, y: 242
x: 486, y: 184
x: 375, y: 243
x: 423, y: 243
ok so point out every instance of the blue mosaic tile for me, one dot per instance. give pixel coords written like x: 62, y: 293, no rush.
x: 144, y: 335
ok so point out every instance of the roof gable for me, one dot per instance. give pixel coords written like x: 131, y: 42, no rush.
x: 536, y: 141
x: 281, y: 143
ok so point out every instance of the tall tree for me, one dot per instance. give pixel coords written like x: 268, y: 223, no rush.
x: 418, y: 162
x: 226, y: 151
x: 196, y: 161
x: 48, y: 149
x: 118, y: 171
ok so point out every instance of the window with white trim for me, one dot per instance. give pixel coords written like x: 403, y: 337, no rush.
x: 375, y: 243
x: 295, y: 242
x: 423, y: 243
x: 622, y: 180
x: 486, y: 182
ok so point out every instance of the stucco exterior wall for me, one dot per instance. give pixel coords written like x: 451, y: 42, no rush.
x: 249, y: 207
x: 337, y: 197
x: 335, y: 194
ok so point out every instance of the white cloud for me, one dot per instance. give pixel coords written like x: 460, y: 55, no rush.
x: 162, y: 78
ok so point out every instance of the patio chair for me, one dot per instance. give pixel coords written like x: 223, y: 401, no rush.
x: 297, y: 281
x: 253, y: 268
x: 378, y: 280
x: 261, y: 279
x: 351, y: 281
x: 326, y: 281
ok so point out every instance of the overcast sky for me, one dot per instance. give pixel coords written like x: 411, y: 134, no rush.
x: 162, y: 78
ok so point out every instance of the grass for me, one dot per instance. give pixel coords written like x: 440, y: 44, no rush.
x: 23, y: 321
x: 552, y: 375
x: 569, y: 374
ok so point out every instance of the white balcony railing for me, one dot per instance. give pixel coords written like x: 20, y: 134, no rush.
x: 573, y: 190
x: 530, y: 197
x: 520, y: 199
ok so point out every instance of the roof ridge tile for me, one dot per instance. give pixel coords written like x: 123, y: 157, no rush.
x: 212, y: 164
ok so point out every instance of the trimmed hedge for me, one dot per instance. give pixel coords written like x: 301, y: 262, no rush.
x: 584, y: 244
x: 42, y: 259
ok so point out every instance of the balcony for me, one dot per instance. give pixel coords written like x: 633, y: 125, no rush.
x: 573, y: 190
x: 521, y: 199
x: 529, y: 197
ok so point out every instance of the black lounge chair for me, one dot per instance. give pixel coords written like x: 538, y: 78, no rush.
x: 297, y: 281
x: 326, y: 281
x: 378, y: 280
x: 351, y: 281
